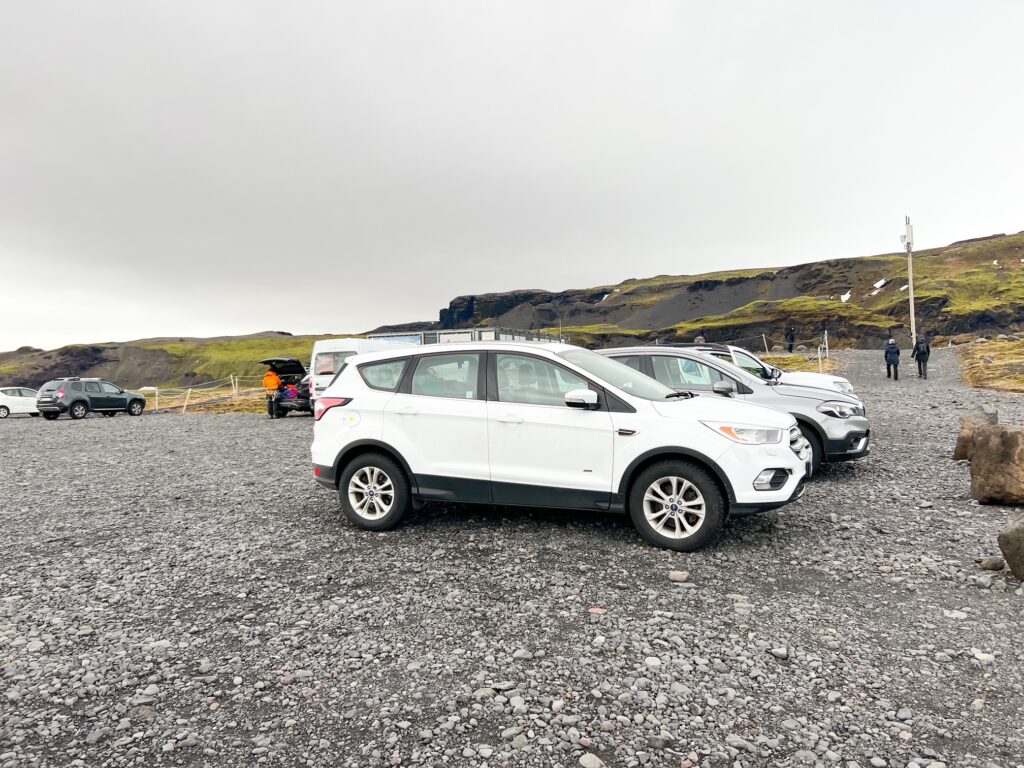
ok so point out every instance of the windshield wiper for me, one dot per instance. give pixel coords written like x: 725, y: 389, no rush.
x: 681, y: 393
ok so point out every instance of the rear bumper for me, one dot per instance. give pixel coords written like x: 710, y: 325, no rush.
x: 325, y: 475
x: 51, y: 407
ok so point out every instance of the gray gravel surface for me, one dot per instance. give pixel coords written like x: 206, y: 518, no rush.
x: 176, y: 591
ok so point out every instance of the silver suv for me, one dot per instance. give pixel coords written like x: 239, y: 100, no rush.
x: 835, y: 424
x: 76, y: 397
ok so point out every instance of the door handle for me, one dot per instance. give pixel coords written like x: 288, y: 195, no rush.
x: 510, y: 419
x: 407, y: 411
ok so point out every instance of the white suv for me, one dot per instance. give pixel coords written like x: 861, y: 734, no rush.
x: 548, y: 426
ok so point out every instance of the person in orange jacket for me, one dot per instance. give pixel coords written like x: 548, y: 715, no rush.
x: 272, y: 383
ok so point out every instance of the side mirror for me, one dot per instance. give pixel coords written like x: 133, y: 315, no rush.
x: 581, y: 398
x: 725, y: 388
x: 776, y: 373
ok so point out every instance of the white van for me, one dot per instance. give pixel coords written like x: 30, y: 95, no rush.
x: 329, y: 354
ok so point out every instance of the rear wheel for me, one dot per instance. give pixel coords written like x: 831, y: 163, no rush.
x: 135, y: 407
x: 817, y: 451
x: 4, y: 411
x: 51, y: 416
x: 78, y: 410
x: 676, y: 505
x: 374, y: 492
x: 33, y: 415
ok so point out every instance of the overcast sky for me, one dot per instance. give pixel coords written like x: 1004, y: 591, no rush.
x: 196, y: 168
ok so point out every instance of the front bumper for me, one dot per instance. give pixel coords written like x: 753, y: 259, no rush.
x: 855, y: 445
x: 742, y: 464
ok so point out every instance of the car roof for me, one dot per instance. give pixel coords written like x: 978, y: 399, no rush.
x: 463, y: 346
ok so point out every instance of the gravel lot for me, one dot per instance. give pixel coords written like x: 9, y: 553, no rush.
x: 175, y: 590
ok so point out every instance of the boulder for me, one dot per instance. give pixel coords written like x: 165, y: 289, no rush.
x: 997, y: 464
x: 801, y: 348
x: 970, y: 420
x: 778, y: 348
x: 1011, y: 543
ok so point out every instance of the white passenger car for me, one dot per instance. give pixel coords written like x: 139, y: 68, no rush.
x: 17, y: 400
x: 548, y: 426
x: 755, y: 366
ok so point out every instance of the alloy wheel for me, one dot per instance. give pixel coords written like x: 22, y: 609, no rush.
x: 371, y: 493
x: 674, y: 507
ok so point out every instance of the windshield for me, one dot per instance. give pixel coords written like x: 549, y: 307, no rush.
x: 735, y: 371
x: 752, y: 365
x: 617, y: 374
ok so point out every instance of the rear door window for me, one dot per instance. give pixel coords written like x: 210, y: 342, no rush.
x: 28, y: 393
x: 447, y: 376
x: 384, y: 376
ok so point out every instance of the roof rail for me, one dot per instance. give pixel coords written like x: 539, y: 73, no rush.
x: 708, y: 345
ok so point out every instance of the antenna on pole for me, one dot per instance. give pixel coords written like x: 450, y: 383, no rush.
x: 908, y: 240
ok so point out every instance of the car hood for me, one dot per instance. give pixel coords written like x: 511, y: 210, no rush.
x: 808, y: 379
x: 285, y: 366
x: 711, y: 407
x: 813, y: 393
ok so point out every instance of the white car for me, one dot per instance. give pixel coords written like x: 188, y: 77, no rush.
x: 547, y: 426
x: 751, y: 363
x: 17, y: 400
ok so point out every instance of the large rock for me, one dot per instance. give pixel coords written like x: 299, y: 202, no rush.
x: 997, y: 464
x: 974, y: 417
x: 1011, y: 543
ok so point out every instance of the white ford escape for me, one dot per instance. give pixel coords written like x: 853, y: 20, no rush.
x: 547, y: 425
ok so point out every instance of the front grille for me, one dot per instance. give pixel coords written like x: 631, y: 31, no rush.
x: 798, y: 443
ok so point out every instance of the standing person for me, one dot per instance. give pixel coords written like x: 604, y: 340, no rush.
x: 272, y: 384
x: 922, y: 351
x: 892, y: 360
x: 790, y: 338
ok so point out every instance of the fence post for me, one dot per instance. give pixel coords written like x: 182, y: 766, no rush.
x: 821, y: 368
x: 765, y: 340
x: 826, y: 342
x: 157, y: 397
x: 187, y: 394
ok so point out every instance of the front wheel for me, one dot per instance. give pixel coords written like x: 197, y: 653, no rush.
x: 374, y: 492
x: 817, y: 451
x: 135, y: 408
x: 4, y: 411
x: 676, y: 505
x: 78, y: 411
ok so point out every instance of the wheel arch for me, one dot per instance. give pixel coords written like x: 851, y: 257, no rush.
x: 360, y: 447
x: 803, y: 421
x: 643, y: 461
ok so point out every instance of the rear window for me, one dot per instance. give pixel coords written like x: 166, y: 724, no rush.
x: 383, y: 376
x: 330, y: 363
x: 50, y: 386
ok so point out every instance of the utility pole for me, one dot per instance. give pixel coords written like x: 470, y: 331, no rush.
x: 908, y: 240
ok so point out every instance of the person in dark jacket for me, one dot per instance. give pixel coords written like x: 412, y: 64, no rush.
x: 790, y: 338
x: 892, y: 360
x: 921, y: 352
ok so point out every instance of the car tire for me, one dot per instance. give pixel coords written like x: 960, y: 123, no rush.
x: 4, y: 411
x: 374, y: 492
x: 34, y: 415
x: 78, y: 410
x: 683, y: 527
x: 135, y: 408
x: 817, y: 451
x: 51, y: 416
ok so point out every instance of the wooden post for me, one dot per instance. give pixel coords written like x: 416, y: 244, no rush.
x: 821, y: 368
x: 187, y: 394
x: 765, y: 340
x: 157, y: 390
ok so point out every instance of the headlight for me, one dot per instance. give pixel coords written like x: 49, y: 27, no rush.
x: 748, y: 435
x: 840, y: 410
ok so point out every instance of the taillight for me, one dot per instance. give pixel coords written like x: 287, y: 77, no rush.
x: 324, y: 404
x: 60, y: 394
